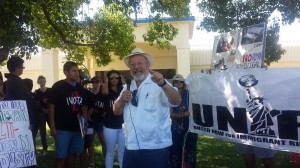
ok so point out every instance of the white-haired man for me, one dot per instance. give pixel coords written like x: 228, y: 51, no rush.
x: 146, y: 111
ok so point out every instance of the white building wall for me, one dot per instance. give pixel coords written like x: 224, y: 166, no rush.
x: 36, y: 66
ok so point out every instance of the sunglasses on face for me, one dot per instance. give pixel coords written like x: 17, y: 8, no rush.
x: 175, y: 81
x: 115, y: 77
x: 134, y: 100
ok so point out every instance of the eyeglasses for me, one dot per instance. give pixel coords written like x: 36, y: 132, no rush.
x: 115, y: 77
x: 132, y: 64
x: 178, y: 82
x: 134, y: 100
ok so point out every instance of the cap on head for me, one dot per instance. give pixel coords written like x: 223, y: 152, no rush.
x: 138, y: 51
x: 178, y: 77
x: 95, y: 79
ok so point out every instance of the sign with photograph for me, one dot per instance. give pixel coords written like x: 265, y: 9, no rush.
x: 256, y: 107
x: 16, y: 142
x: 239, y: 49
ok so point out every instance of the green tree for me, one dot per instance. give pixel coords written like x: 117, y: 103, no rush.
x: 226, y: 15
x: 63, y: 24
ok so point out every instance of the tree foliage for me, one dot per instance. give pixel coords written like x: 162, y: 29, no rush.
x: 63, y: 24
x: 226, y: 15
x: 17, y: 34
x: 161, y: 33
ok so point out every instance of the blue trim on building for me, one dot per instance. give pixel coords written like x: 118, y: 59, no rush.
x: 169, y: 19
x: 144, y: 20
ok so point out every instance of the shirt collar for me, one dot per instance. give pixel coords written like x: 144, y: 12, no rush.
x: 147, y: 80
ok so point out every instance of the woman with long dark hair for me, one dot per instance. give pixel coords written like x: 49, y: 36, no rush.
x: 113, y: 133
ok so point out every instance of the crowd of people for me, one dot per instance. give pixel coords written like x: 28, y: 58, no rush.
x: 145, y: 119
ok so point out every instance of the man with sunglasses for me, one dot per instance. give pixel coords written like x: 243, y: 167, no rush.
x: 145, y: 106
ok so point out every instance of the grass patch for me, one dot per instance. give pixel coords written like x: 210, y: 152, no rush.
x: 212, y: 153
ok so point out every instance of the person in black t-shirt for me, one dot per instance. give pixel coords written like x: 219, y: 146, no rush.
x: 84, y: 157
x: 113, y: 132
x: 41, y: 96
x: 98, y: 115
x: 67, y: 101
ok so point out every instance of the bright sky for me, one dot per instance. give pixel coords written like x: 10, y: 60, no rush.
x: 287, y: 33
x: 290, y: 33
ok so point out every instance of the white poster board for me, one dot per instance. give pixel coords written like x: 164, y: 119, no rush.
x: 16, y: 142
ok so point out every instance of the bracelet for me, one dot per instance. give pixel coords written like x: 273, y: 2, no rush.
x: 163, y: 84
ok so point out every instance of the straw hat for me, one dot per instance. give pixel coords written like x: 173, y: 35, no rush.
x: 138, y: 51
x: 178, y: 77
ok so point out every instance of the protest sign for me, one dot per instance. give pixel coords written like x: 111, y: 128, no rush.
x: 16, y: 142
x: 239, y: 49
x: 256, y: 107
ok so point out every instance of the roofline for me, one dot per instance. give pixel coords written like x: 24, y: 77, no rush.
x: 190, y: 20
x: 168, y: 19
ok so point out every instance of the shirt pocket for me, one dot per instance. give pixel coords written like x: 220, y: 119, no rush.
x: 150, y: 104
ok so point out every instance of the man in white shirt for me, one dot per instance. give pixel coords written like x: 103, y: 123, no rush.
x: 145, y: 105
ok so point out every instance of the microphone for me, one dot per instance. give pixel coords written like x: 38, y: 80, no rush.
x: 128, y: 83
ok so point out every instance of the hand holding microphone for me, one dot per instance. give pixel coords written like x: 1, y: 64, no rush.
x: 127, y: 95
x: 128, y: 83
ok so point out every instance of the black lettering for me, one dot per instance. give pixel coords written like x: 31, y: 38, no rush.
x: 251, y: 138
x: 207, y: 115
x: 288, y: 125
x: 292, y: 143
x: 274, y: 141
x: 243, y: 136
x: 202, y: 128
x: 238, y: 122
x: 217, y: 132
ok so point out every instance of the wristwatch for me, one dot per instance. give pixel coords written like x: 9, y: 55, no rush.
x: 163, y: 84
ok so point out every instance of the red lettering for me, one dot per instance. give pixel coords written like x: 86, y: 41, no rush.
x: 6, y: 130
